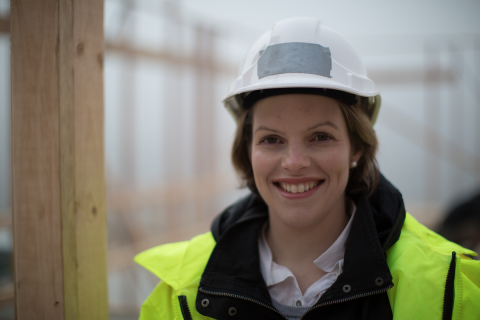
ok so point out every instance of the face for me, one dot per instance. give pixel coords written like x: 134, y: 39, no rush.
x: 301, y: 157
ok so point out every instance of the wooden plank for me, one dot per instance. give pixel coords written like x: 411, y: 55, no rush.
x: 35, y: 160
x: 456, y: 114
x: 221, y: 67
x: 433, y: 117
x: 396, y: 76
x: 6, y: 294
x: 87, y: 225
x: 6, y: 218
x: 59, y: 211
x: 475, y: 86
x: 5, y: 24
x: 122, y: 257
x: 67, y: 157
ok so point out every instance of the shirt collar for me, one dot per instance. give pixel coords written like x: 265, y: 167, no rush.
x: 336, y: 252
x: 266, y: 261
x: 326, y: 261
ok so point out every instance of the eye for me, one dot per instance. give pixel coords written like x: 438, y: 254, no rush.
x: 322, y: 137
x: 270, y: 140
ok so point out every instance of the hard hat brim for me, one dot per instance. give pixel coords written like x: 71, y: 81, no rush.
x: 233, y: 101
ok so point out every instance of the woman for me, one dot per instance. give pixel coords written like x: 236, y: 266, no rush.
x: 323, y: 234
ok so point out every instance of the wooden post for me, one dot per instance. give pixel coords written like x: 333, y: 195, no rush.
x: 432, y: 111
x: 204, y: 114
x: 204, y: 108
x: 476, y: 113
x: 456, y: 116
x: 59, y: 214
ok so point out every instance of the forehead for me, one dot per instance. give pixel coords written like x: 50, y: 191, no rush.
x: 302, y: 109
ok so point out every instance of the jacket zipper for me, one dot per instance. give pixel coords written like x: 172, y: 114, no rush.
x: 184, y: 308
x: 449, y: 289
x: 362, y: 295
x: 231, y: 295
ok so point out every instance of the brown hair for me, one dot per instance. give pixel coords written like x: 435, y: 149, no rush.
x: 364, y: 176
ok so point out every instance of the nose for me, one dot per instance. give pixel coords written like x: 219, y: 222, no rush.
x: 296, y: 158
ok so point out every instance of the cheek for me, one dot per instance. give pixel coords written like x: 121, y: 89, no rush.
x: 263, y: 165
x: 338, y: 164
x: 259, y: 163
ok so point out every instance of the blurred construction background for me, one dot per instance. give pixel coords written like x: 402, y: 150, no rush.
x: 167, y: 66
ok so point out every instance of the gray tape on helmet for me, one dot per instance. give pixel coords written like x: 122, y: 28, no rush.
x: 295, y: 57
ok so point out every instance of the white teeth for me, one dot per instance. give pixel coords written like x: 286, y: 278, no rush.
x: 294, y: 188
x: 301, y: 187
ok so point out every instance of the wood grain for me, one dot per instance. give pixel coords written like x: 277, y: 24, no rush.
x: 90, y: 188
x: 35, y: 161
x: 59, y: 216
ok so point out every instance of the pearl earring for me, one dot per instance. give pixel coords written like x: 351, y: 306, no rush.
x: 354, y: 164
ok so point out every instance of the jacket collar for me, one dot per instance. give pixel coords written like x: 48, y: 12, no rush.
x: 180, y: 263
x: 234, y: 265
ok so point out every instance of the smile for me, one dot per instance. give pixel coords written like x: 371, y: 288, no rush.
x: 295, y: 189
x: 298, y: 188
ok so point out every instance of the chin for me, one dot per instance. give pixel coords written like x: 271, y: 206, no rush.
x: 299, y: 217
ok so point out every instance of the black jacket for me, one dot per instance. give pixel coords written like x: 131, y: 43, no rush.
x: 234, y: 287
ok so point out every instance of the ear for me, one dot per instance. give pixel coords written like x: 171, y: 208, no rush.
x: 357, y: 154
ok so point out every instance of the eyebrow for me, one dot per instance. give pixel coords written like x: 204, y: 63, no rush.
x: 268, y: 129
x: 325, y: 123
x: 320, y: 124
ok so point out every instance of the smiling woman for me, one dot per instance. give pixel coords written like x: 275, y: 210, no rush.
x: 302, y: 151
x: 360, y: 132
x: 323, y: 234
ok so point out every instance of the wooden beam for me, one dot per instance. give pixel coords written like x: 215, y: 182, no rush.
x: 475, y: 85
x: 6, y: 294
x: 6, y: 218
x: 59, y: 212
x: 396, y: 76
x: 433, y: 118
x: 122, y: 257
x: 172, y: 192
x: 5, y: 24
x: 167, y: 56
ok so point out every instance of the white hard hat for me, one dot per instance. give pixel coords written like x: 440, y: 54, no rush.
x: 303, y: 53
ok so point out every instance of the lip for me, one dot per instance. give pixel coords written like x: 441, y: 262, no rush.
x: 294, y: 196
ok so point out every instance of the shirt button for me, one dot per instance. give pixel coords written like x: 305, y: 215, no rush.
x: 298, y: 303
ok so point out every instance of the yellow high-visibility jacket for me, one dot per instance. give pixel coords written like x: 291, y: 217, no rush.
x: 420, y: 262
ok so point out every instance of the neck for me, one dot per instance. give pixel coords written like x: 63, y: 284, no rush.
x: 294, y: 246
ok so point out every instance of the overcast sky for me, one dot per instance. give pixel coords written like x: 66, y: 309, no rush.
x: 371, y: 17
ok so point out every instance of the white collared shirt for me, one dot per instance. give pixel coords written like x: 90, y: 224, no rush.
x: 282, y: 284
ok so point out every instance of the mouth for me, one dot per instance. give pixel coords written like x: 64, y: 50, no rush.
x: 300, y: 187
